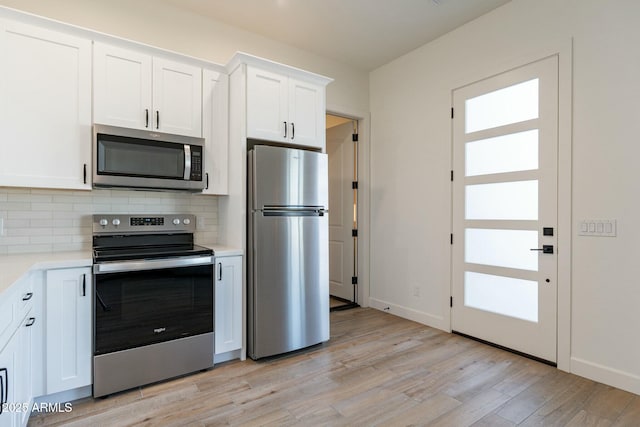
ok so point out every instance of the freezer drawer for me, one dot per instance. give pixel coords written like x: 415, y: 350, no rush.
x: 288, y: 284
x: 287, y: 177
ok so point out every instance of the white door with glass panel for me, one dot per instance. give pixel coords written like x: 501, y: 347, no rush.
x: 505, y: 209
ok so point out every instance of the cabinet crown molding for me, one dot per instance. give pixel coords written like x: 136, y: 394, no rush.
x: 240, y: 58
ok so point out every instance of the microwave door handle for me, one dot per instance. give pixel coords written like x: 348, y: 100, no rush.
x: 187, y: 162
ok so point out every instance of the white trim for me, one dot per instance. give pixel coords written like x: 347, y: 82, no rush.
x: 614, y: 377
x: 364, y: 192
x: 427, y: 319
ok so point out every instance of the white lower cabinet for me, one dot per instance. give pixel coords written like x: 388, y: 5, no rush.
x: 228, y: 310
x: 16, y: 394
x: 68, y: 329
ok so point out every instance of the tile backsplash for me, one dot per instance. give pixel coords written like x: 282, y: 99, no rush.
x: 41, y: 220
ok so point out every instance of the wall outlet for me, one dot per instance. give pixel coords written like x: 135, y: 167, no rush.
x: 416, y: 291
x: 1, y: 226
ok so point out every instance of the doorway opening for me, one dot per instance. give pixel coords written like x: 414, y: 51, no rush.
x: 342, y: 150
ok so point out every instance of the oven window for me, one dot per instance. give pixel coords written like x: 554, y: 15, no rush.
x: 134, y: 309
x: 135, y: 157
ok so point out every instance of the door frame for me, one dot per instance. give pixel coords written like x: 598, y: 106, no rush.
x: 562, y: 47
x: 363, y: 200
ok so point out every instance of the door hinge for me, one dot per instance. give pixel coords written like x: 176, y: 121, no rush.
x: 452, y: 238
x: 354, y: 280
x: 450, y: 301
x: 452, y: 112
x: 451, y: 175
x: 354, y: 232
x: 354, y: 185
x: 354, y: 137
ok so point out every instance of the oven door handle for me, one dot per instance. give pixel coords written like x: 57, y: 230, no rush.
x: 151, y: 264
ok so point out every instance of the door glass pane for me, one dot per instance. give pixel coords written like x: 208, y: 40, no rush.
x: 502, y: 248
x: 502, y: 295
x: 507, y: 153
x: 512, y: 104
x: 504, y: 200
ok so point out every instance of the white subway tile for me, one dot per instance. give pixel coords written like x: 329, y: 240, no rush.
x: 29, y: 231
x: 14, y: 206
x: 58, y: 207
x: 23, y: 249
x: 33, y: 198
x: 39, y: 223
x: 17, y: 223
x: 15, y: 240
x: 30, y: 214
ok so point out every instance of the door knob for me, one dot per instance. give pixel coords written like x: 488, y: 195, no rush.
x: 546, y: 249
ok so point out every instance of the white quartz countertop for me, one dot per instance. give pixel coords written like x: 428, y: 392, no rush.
x: 12, y: 267
x: 221, y: 251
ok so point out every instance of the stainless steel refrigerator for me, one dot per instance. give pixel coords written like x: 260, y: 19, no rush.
x: 288, y: 250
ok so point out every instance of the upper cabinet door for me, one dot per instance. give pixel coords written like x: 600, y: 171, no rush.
x: 45, y: 108
x: 306, y: 113
x: 267, y: 105
x: 122, y: 87
x: 215, y: 130
x: 177, y: 98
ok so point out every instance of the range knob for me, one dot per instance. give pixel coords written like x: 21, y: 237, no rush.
x: 116, y: 222
x: 104, y: 222
x: 186, y: 221
x: 176, y: 221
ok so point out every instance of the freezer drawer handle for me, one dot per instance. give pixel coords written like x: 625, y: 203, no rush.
x: 292, y: 213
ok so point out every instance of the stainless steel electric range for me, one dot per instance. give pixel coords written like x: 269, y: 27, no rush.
x: 154, y: 301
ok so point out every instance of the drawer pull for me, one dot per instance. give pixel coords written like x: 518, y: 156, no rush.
x: 31, y: 321
x: 27, y: 296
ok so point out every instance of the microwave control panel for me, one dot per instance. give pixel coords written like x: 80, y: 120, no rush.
x: 196, y: 163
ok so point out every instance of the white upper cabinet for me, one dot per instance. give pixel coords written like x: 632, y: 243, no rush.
x: 215, y: 130
x: 136, y: 90
x: 45, y: 108
x: 267, y: 105
x: 122, y: 87
x: 285, y: 109
x: 177, y: 97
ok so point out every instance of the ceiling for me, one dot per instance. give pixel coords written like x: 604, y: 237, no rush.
x: 362, y: 33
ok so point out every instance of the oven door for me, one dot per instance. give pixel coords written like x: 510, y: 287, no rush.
x: 138, y: 303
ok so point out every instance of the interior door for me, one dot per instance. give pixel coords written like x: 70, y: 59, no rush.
x: 505, y: 209
x: 341, y: 220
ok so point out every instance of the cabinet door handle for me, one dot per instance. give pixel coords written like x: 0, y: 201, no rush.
x: 4, y: 387
x: 84, y: 173
x: 146, y: 117
x: 207, y: 177
x: 27, y: 296
x: 84, y: 285
x: 31, y: 321
x: 157, y: 119
x: 219, y: 271
x: 285, y: 129
x: 293, y: 130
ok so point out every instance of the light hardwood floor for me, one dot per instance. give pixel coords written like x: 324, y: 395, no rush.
x: 377, y: 369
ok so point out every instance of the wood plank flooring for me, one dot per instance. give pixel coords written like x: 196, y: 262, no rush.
x: 377, y: 369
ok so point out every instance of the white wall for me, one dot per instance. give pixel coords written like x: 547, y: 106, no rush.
x: 162, y: 25
x: 411, y: 156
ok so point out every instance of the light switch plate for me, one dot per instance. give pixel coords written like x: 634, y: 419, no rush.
x: 597, y: 227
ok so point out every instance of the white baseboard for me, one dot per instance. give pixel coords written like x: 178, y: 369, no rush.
x: 409, y: 313
x: 613, y: 377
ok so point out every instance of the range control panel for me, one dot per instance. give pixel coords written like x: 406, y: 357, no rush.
x: 132, y: 224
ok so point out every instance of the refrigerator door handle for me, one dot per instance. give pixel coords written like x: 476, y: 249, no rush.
x: 283, y: 212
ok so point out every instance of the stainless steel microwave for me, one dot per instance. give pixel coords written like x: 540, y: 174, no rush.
x: 141, y: 159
